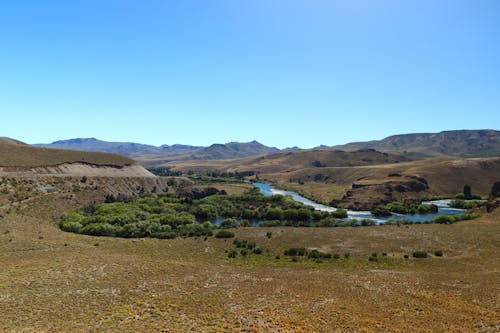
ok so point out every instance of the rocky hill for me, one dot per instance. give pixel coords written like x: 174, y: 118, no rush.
x: 464, y: 143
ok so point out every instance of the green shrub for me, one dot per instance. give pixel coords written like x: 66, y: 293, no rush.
x: 295, y: 251
x: 257, y: 250
x: 224, y: 234
x: 315, y: 254
x: 340, y: 213
x: 438, y: 253
x: 372, y: 258
x: 464, y: 204
x: 336, y: 256
x: 232, y: 254
x: 269, y: 234
x: 445, y: 219
x: 419, y: 254
x: 347, y: 255
x: 240, y: 243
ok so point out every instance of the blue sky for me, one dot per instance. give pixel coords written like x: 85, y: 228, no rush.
x: 283, y: 72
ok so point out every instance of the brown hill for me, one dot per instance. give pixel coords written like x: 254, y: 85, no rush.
x: 16, y: 154
x: 363, y: 176
x: 293, y: 160
x: 464, y: 143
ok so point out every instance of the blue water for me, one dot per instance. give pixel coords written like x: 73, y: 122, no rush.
x: 443, y: 207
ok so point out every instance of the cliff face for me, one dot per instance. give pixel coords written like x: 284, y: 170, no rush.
x: 77, y: 169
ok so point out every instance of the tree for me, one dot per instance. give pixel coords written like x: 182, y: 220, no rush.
x: 495, y: 190
x: 467, y: 192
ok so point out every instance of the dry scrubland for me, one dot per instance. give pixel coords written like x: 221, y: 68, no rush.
x: 295, y: 171
x: 57, y: 282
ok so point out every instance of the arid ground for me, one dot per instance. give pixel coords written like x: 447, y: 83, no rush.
x: 53, y: 281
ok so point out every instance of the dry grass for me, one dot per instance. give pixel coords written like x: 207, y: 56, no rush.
x: 18, y: 155
x: 444, y: 175
x: 52, y: 281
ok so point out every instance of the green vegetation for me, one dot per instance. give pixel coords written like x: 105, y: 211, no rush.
x: 245, y: 248
x: 203, y: 177
x: 448, y: 219
x: 404, y: 207
x: 168, y: 216
x: 462, y: 204
x: 224, y: 234
x: 419, y: 254
x: 438, y: 253
x: 495, y: 190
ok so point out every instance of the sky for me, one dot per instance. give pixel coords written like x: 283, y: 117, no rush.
x: 283, y: 72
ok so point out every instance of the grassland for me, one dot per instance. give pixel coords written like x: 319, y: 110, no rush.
x: 15, y: 154
x: 53, y: 281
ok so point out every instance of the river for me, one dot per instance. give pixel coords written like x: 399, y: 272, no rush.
x: 443, y: 207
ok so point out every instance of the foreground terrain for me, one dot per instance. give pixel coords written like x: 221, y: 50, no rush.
x: 56, y: 281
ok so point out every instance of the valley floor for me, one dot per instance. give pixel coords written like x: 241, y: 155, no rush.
x: 53, y: 281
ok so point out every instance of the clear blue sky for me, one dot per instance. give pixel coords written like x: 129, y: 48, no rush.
x: 282, y: 72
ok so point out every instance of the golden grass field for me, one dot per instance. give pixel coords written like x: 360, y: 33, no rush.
x: 53, y: 281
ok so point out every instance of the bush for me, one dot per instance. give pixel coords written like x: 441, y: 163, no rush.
x: 336, y: 256
x: 224, y: 234
x: 438, y: 253
x: 464, y: 204
x: 295, y: 251
x: 340, y: 213
x: 269, y: 234
x: 232, y: 254
x: 419, y: 254
x: 347, y: 255
x: 315, y: 254
x: 257, y: 250
x: 445, y: 219
x: 495, y: 190
x: 372, y: 258
x: 240, y: 243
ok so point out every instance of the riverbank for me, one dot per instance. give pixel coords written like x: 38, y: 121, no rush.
x: 443, y: 207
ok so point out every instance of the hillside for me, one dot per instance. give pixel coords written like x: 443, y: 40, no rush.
x: 21, y: 160
x: 292, y: 161
x: 464, y: 143
x: 19, y: 155
x: 361, y: 179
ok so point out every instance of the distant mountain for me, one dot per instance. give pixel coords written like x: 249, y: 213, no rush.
x: 464, y: 143
x: 232, y: 150
x: 92, y: 144
x: 165, y: 152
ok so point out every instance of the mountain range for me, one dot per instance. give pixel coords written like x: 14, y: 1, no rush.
x: 165, y: 153
x: 459, y: 143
